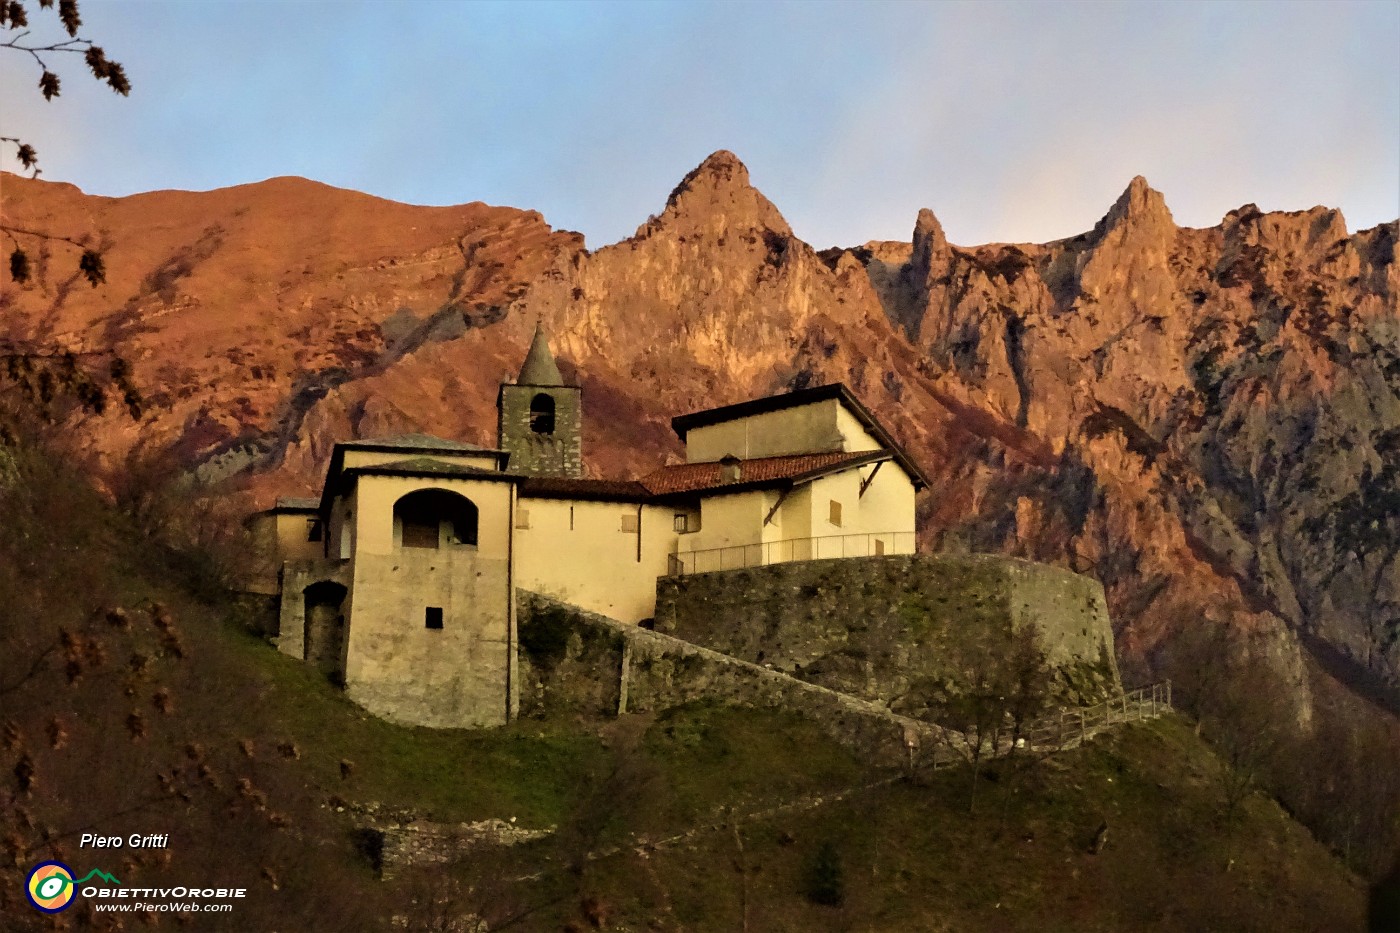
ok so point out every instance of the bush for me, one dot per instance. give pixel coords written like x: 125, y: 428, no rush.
x: 825, y: 883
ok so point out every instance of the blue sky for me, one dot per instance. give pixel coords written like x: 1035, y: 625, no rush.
x: 1012, y: 121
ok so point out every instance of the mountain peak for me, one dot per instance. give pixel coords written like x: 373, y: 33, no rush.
x: 720, y: 170
x: 1140, y: 205
x: 931, y: 256
x: 927, y: 230
x: 717, y: 194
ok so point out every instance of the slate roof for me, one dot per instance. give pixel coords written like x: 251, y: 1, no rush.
x: 420, y: 466
x: 412, y: 442
x: 539, y: 368
x: 295, y: 504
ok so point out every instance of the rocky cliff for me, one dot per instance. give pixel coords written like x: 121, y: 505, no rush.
x: 1207, y: 420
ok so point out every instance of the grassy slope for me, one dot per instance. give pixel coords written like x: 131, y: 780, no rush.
x: 912, y: 857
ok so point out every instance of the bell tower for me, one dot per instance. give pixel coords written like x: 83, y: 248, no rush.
x: 539, y: 418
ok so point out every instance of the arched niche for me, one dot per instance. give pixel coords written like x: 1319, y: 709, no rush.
x: 435, y: 518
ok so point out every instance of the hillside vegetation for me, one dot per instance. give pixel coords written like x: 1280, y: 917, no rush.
x: 134, y: 699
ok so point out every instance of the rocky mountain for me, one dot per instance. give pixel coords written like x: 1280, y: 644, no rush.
x: 1208, y: 420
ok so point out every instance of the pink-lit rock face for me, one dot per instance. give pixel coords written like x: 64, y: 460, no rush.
x: 1208, y: 420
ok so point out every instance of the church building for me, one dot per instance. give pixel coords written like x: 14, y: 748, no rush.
x: 400, y: 580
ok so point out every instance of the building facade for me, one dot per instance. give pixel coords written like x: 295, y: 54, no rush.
x: 400, y: 580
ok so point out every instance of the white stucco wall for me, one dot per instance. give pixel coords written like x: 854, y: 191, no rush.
x: 395, y: 666
x: 576, y: 551
x: 818, y: 427
x: 801, y: 429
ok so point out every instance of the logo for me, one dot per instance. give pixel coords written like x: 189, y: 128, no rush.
x: 51, y: 888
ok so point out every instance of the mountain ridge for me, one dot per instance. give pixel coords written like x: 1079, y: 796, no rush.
x: 1141, y: 401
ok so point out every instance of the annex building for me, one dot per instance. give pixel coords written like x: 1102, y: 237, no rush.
x: 400, y: 580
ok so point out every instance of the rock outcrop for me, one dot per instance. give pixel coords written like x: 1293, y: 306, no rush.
x: 1207, y: 420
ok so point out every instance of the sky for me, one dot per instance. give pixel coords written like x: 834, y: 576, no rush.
x: 1013, y: 122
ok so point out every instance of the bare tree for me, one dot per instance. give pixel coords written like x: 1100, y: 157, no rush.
x: 21, y: 39
x: 1240, y: 706
x: 1002, y: 681
x: 34, y: 373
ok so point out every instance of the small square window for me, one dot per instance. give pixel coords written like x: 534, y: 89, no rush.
x: 629, y: 524
x: 432, y: 618
x: 682, y: 524
x: 313, y: 529
x: 835, y: 516
x: 522, y: 518
x: 879, y: 547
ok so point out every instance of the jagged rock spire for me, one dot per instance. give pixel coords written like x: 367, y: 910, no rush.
x: 1139, y: 207
x: 930, y: 245
x: 716, y: 197
x: 539, y: 368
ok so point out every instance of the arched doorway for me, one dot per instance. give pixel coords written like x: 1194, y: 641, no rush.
x: 324, y: 634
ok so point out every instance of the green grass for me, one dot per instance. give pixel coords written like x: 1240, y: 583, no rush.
x: 526, y: 770
x: 912, y: 856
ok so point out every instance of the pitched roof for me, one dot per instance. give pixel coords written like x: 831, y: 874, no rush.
x: 539, y: 368
x: 558, y: 487
x: 681, y: 424
x: 760, y: 471
x: 413, y: 442
x: 419, y: 466
x: 295, y: 504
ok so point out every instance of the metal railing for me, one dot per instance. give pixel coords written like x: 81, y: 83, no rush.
x: 1060, y: 729
x: 1071, y: 723
x: 825, y: 547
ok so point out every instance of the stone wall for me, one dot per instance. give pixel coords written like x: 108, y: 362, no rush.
x: 297, y: 575
x: 453, y: 674
x: 557, y: 454
x: 576, y: 662
x: 422, y: 843
x: 884, y: 627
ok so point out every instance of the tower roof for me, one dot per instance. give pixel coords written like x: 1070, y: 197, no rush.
x: 540, y: 368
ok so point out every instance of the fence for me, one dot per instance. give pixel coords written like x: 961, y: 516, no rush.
x: 1065, y: 727
x: 825, y: 547
x: 1070, y: 724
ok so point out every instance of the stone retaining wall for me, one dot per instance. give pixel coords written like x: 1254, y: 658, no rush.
x: 881, y: 627
x: 422, y: 843
x: 578, y: 662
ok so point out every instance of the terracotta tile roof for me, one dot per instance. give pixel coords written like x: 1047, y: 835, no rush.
x: 560, y: 487
x: 703, y: 477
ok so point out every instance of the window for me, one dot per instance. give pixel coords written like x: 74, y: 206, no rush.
x: 629, y: 524
x: 542, y: 414
x: 522, y: 518
x: 682, y: 525
x: 432, y: 617
x: 835, y: 516
x: 879, y: 547
x: 313, y: 529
